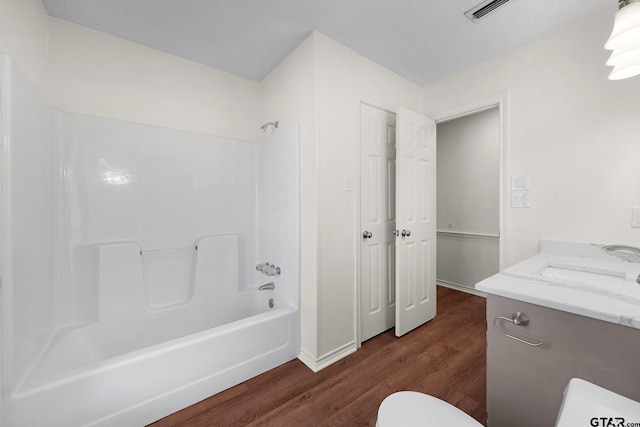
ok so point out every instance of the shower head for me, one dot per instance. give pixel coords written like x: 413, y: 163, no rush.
x: 266, y: 125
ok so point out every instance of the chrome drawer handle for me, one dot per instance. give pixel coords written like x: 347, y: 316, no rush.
x: 519, y: 319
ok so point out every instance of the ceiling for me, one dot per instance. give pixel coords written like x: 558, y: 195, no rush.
x: 421, y: 40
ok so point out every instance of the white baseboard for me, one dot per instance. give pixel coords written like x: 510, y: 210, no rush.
x: 461, y: 288
x: 317, y: 364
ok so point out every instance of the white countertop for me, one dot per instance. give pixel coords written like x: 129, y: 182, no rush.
x: 615, y: 298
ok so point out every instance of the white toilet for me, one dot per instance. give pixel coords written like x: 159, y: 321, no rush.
x: 413, y: 409
x: 582, y: 402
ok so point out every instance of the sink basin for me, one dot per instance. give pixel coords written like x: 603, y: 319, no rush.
x: 582, y: 275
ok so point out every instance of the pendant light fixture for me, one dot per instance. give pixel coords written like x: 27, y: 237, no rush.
x: 625, y: 41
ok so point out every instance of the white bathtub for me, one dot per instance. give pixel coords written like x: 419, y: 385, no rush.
x: 128, y: 283
x: 159, y: 331
x: 140, y: 387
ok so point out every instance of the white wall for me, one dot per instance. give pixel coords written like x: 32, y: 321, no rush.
x: 24, y: 37
x: 344, y: 79
x: 574, y: 132
x: 289, y: 96
x: 97, y: 74
x: 320, y: 86
x: 469, y: 173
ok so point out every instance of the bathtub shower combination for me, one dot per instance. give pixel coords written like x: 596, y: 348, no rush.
x: 144, y: 269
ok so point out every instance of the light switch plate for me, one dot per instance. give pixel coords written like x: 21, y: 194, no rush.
x: 520, y: 199
x: 520, y: 183
x: 635, y: 217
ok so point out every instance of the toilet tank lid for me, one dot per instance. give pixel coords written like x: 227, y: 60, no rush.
x: 584, y: 401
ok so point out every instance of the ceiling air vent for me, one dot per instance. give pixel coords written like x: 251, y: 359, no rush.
x: 483, y: 9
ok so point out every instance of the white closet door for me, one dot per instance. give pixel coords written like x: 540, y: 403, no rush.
x: 416, y: 220
x: 377, y: 221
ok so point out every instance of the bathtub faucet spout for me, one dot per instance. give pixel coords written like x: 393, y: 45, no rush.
x: 267, y: 287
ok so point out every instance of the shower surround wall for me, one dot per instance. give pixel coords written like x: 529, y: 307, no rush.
x: 125, y: 239
x: 161, y: 193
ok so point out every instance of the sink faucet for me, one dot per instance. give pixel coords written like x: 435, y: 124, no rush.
x: 625, y: 252
x: 267, y: 287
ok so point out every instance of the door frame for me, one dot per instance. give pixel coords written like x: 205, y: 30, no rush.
x: 501, y: 102
x: 357, y: 194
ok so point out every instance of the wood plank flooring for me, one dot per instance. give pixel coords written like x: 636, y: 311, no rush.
x: 444, y: 358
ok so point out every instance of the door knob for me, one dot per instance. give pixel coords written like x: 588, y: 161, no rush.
x: 367, y: 234
x: 406, y: 233
x: 396, y: 233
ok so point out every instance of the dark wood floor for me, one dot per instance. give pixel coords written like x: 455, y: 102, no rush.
x: 444, y: 358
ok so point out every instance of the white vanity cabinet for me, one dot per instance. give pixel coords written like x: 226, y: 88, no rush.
x: 525, y: 383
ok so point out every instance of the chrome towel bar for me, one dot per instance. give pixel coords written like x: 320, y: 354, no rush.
x: 519, y: 319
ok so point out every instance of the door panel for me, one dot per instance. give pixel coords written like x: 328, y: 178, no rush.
x: 415, y: 207
x: 391, y: 280
x: 377, y: 216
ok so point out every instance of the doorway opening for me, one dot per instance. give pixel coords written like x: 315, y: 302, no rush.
x: 470, y: 238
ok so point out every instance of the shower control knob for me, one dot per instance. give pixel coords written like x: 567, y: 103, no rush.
x: 367, y: 234
x: 406, y: 233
